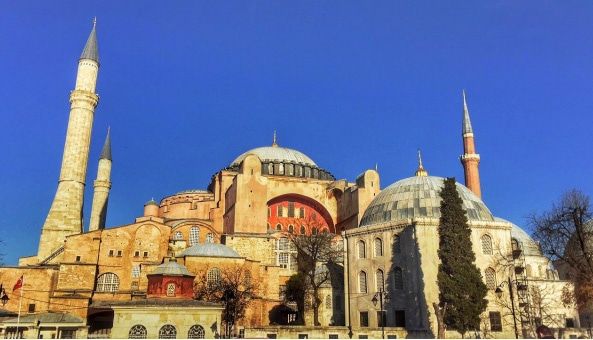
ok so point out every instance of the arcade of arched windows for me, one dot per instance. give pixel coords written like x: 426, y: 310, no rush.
x: 297, y: 215
x: 194, y: 234
x: 295, y: 170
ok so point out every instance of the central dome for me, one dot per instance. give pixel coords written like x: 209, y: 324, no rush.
x: 419, y: 197
x: 276, y: 154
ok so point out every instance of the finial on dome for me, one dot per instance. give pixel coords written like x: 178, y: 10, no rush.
x: 420, y: 172
x: 274, y: 141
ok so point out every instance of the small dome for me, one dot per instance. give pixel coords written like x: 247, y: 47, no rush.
x: 210, y: 250
x: 151, y: 202
x: 171, y: 268
x: 419, y: 197
x: 276, y: 153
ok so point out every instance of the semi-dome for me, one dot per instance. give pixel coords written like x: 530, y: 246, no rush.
x: 210, y: 250
x: 276, y: 154
x: 419, y: 197
x: 171, y: 268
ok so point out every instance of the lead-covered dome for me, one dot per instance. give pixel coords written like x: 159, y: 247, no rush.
x: 276, y: 154
x: 210, y: 250
x: 419, y: 197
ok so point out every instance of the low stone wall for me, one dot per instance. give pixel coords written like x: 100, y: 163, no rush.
x: 330, y: 332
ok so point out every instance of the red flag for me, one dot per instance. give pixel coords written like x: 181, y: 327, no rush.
x: 18, y: 284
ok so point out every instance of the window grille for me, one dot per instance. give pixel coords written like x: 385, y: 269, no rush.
x: 490, y: 276
x: 213, y: 276
x: 108, y: 282
x: 136, y: 272
x: 196, y: 332
x: 362, y: 282
x: 378, y: 247
x: 328, y: 302
x: 171, y: 289
x: 380, y: 280
x: 398, y: 279
x: 361, y: 250
x: 168, y: 332
x: 209, y: 238
x: 495, y: 322
x: 137, y: 332
x: 194, y: 236
x: 396, y: 245
x: 487, y: 244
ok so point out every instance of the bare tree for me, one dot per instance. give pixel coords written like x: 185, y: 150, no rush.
x: 315, y: 254
x: 233, y: 286
x: 565, y: 234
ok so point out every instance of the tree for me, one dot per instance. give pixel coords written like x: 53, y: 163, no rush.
x: 315, y: 253
x: 565, y: 235
x: 234, y: 288
x: 462, y: 291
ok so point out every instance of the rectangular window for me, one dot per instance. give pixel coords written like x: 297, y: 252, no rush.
x: 119, y: 253
x: 271, y: 335
x: 136, y: 254
x: 290, y: 209
x: 280, y: 211
x: 78, y: 258
x: 31, y: 308
x: 495, y: 322
x: 364, y: 319
x: 111, y: 252
x: 400, y: 318
x: 135, y: 285
x: 302, y: 212
x: 569, y: 323
x: 381, y: 318
x: 303, y: 336
x: 391, y: 336
x: 363, y: 336
x: 145, y: 254
x: 68, y: 334
x: 333, y: 336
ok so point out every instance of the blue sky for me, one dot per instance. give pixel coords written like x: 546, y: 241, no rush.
x: 188, y: 86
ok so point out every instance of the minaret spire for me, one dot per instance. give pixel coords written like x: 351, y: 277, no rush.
x: 420, y: 172
x: 470, y: 159
x: 102, y: 186
x: 65, y: 215
x: 275, y: 140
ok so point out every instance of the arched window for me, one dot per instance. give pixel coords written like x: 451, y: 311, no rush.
x: 168, y: 332
x: 271, y: 168
x: 196, y: 332
x: 398, y: 278
x: 490, y: 277
x: 171, y: 289
x: 281, y: 169
x: 378, y: 247
x: 108, y: 282
x: 515, y: 244
x: 380, y: 279
x: 194, y: 236
x: 178, y: 236
x: 397, y: 248
x: 291, y: 229
x: 362, y: 282
x: 361, y: 250
x: 328, y: 302
x: 137, y: 332
x: 213, y: 276
x: 209, y: 238
x: 314, y: 231
x: 303, y: 230
x: 279, y: 227
x: 486, y: 244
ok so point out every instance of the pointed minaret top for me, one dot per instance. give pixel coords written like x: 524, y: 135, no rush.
x: 106, y: 151
x: 420, y: 172
x: 467, y: 124
x: 275, y: 140
x: 91, y: 49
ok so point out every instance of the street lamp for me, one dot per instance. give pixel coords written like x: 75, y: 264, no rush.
x: 498, y: 293
x: 379, y: 297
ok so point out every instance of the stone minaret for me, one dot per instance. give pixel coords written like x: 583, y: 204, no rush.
x: 102, y: 186
x: 65, y: 215
x: 470, y: 159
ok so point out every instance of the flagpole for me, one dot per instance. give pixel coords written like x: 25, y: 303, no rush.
x: 18, y: 319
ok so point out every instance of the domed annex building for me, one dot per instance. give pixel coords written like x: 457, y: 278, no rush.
x: 139, y: 280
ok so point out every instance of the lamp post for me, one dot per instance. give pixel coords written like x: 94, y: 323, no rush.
x: 498, y: 292
x: 379, y: 296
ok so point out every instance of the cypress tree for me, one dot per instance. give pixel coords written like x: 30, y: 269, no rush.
x: 462, y: 291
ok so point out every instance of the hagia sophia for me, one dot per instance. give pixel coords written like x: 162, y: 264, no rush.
x: 137, y: 280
